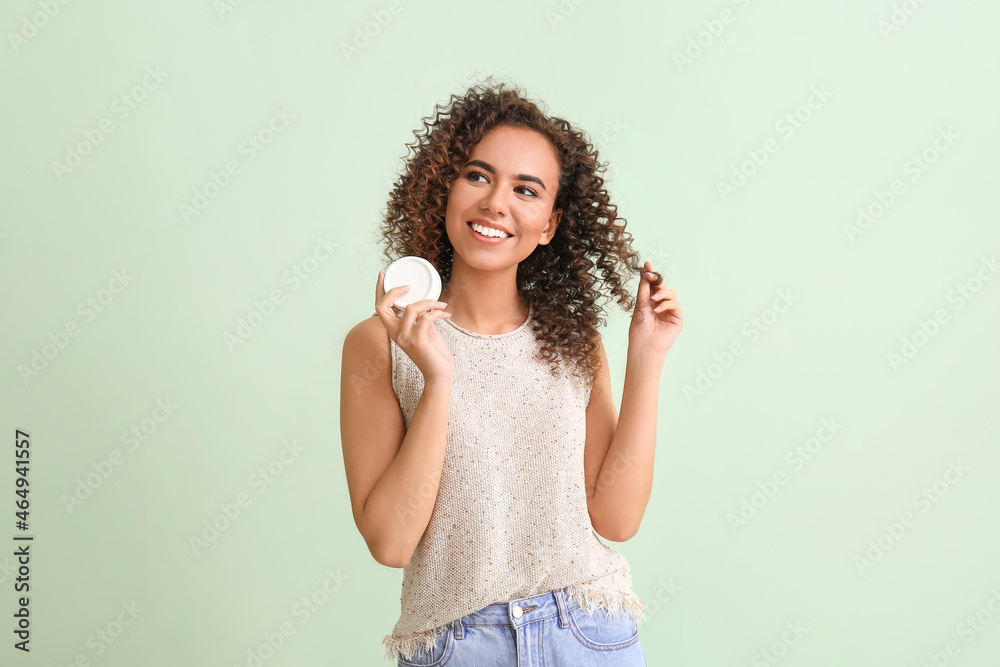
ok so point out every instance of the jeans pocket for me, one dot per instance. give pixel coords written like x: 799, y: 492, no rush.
x: 436, y: 656
x: 602, y: 631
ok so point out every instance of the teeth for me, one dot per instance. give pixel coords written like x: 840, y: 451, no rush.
x: 489, y: 231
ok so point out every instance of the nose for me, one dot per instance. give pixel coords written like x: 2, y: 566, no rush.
x: 495, y: 200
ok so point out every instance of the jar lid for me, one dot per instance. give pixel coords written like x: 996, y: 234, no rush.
x: 419, y: 274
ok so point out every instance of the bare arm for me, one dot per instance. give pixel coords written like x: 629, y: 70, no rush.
x: 619, y: 453
x: 392, y: 473
x: 618, y: 458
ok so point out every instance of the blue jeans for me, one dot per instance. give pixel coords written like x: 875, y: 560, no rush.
x: 549, y: 630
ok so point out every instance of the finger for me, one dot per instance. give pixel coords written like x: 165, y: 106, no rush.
x: 660, y: 293
x: 389, y: 322
x: 642, y: 298
x: 389, y: 319
x: 388, y: 299
x: 380, y: 305
x: 424, y: 319
x: 655, y: 279
x: 435, y: 314
x: 418, y: 334
x: 413, y: 310
x: 427, y: 304
x: 385, y: 306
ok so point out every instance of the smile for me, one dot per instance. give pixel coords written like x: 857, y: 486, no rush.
x: 487, y: 233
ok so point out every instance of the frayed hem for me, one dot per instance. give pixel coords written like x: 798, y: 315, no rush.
x: 401, y: 647
x: 590, y: 598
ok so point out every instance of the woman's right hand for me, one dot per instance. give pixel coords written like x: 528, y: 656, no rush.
x: 413, y: 333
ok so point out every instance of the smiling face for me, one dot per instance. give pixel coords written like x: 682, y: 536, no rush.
x: 508, y: 183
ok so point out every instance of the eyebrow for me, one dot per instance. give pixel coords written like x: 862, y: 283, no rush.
x: 518, y: 177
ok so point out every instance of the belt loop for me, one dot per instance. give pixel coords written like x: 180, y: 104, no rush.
x: 562, y: 605
x: 459, y: 629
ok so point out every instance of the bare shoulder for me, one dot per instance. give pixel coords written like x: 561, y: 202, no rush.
x: 366, y: 337
x: 366, y: 356
x: 371, y: 422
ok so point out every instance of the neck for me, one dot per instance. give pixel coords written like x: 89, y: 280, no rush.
x: 485, y: 302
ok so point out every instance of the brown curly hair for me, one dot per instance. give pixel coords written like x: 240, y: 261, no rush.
x: 560, y: 282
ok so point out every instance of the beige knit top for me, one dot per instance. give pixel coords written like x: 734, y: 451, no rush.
x: 510, y: 518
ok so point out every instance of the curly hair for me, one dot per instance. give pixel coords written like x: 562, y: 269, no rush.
x: 560, y: 282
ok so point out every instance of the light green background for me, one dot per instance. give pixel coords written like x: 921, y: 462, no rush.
x: 715, y: 595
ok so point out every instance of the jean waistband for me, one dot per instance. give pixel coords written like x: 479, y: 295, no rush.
x: 521, y: 611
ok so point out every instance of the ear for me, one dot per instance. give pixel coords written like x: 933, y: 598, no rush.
x: 550, y: 229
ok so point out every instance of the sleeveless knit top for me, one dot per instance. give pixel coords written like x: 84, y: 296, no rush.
x: 510, y: 519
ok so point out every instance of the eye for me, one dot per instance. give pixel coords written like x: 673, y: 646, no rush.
x: 472, y: 177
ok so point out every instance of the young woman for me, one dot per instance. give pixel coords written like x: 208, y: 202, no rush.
x: 483, y: 450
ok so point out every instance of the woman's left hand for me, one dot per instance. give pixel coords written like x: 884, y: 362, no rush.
x: 656, y: 320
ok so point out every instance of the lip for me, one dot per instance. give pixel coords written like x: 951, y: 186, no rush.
x: 492, y: 225
x: 488, y: 240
